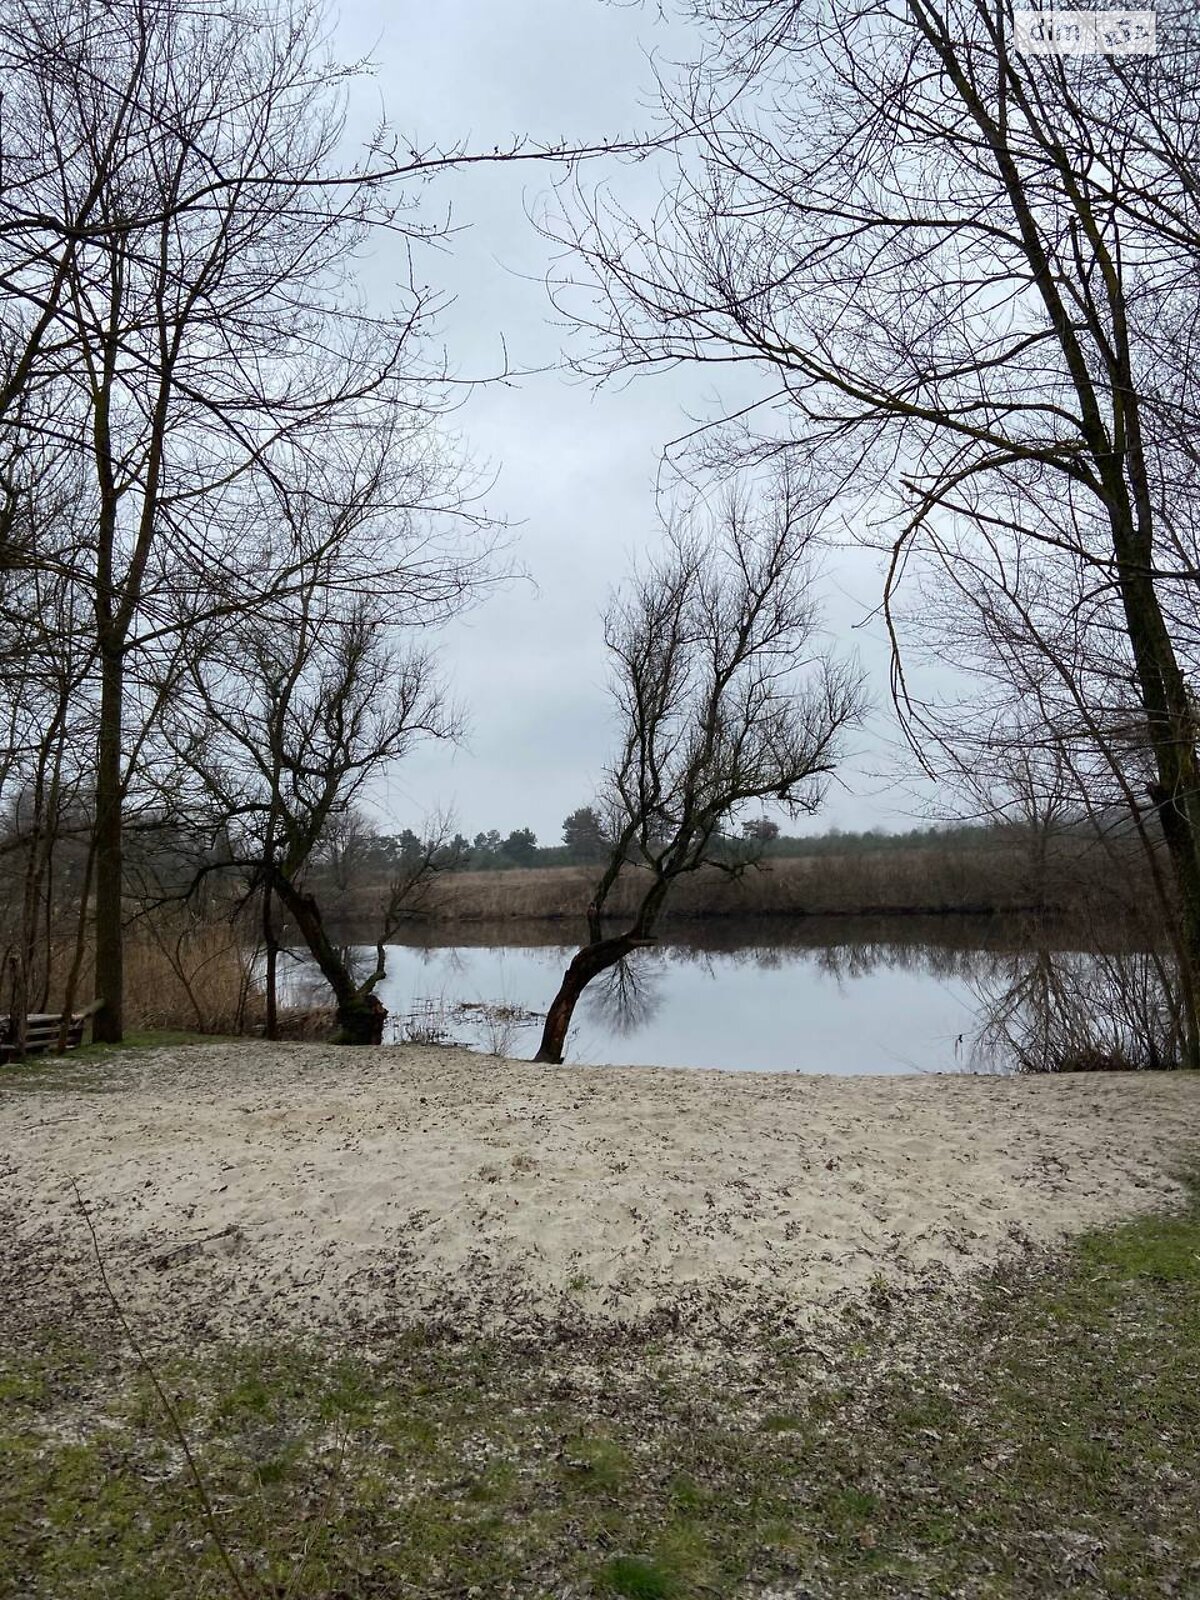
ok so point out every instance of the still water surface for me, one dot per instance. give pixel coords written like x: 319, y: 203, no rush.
x: 887, y: 997
x: 710, y: 1010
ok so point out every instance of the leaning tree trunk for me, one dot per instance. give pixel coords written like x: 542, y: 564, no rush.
x: 599, y: 954
x: 360, y: 1012
x: 590, y: 962
x: 361, y: 1021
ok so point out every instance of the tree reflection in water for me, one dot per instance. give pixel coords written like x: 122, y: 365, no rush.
x: 1044, y: 1004
x: 627, y: 996
x: 1045, y: 997
x: 1053, y: 1011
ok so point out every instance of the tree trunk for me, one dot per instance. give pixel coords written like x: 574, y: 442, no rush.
x: 1182, y: 840
x: 360, y: 1013
x: 108, y: 1026
x: 362, y: 1020
x: 18, y: 1006
x: 1172, y: 724
x: 71, y: 990
x: 271, y: 1020
x: 271, y: 1027
x: 589, y: 963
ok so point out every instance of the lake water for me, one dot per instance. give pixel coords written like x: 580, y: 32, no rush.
x: 844, y: 997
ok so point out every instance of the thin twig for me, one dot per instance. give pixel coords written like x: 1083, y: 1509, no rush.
x: 167, y: 1405
x: 301, y: 1565
x: 163, y: 1258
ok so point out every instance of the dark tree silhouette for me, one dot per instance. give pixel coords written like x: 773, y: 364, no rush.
x: 724, y: 701
x: 584, y: 835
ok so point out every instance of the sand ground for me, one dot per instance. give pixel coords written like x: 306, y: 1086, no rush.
x: 242, y: 1186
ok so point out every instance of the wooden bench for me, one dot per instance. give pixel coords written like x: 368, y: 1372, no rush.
x: 42, y: 1029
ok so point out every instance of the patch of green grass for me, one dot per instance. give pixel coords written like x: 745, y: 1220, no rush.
x: 686, y: 1494
x: 250, y: 1393
x: 597, y: 1462
x: 25, y: 1387
x: 636, y: 1577
x: 76, y: 1070
x: 152, y: 1039
x: 495, y: 1485
x: 1037, y: 1435
x: 781, y: 1422
x: 1158, y: 1248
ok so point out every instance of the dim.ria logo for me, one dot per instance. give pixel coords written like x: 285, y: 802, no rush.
x: 1085, y: 33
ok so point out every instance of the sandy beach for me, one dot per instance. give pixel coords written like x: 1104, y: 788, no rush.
x: 239, y: 1186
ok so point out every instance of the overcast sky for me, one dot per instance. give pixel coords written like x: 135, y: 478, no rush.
x: 576, y: 467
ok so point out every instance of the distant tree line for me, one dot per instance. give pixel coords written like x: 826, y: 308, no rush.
x: 376, y: 855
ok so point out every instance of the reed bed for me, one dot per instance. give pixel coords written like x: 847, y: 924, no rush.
x: 884, y: 883
x: 179, y: 974
x: 200, y: 976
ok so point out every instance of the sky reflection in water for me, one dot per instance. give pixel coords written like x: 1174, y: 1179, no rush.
x: 845, y: 1009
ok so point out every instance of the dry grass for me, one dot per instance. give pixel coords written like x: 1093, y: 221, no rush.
x: 881, y: 883
x: 195, y: 976
x: 180, y: 973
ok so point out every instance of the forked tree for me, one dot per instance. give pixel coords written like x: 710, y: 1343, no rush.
x: 294, y: 723
x: 725, y: 700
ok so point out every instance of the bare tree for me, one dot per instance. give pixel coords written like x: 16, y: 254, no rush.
x: 1049, y: 729
x: 724, y: 701
x: 178, y: 226
x: 290, y: 714
x: 970, y: 275
x: 178, y: 317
